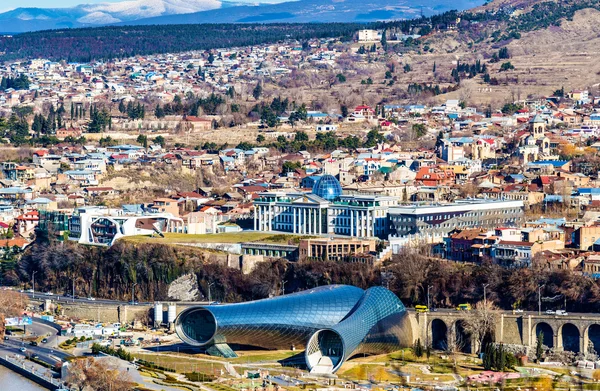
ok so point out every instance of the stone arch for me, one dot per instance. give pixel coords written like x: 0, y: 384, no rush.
x: 591, y: 338
x: 546, y: 330
x: 439, y: 334
x: 463, y: 339
x: 569, y: 337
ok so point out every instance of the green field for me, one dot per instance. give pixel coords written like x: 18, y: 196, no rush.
x: 181, y: 363
x: 237, y: 237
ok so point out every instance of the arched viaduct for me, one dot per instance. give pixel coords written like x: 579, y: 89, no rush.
x: 573, y: 332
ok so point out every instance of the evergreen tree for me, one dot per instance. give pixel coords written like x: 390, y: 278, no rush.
x: 72, y: 111
x: 122, y: 108
x: 384, y: 39
x: 539, y: 347
x: 434, y: 67
x: 418, y: 348
x: 257, y: 92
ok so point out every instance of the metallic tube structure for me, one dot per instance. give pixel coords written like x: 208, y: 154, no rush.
x: 377, y: 324
x: 275, y: 323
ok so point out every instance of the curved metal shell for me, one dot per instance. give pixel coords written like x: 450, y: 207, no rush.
x: 275, y: 323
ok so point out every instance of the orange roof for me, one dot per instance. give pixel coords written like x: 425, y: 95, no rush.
x: 20, y: 242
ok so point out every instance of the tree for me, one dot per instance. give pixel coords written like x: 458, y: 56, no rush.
x: 384, y: 39
x: 344, y: 110
x: 481, y: 321
x: 507, y: 66
x: 434, y: 67
x: 407, y: 68
x: 419, y: 130
x: 122, y: 107
x: 260, y: 138
x: 257, y: 92
x: 418, y: 348
x: 301, y: 136
x: 142, y: 140
x: 160, y: 140
x: 90, y: 373
x: 341, y: 78
x: 211, y: 58
x: 11, y: 304
x: 539, y: 347
x: 159, y: 112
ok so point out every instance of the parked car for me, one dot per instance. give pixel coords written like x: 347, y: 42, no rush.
x: 550, y: 312
x: 33, y: 343
x: 22, y: 349
x: 561, y: 312
x: 91, y: 298
x: 45, y: 340
x: 49, y: 294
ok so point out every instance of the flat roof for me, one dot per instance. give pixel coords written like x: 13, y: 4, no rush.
x: 454, y: 207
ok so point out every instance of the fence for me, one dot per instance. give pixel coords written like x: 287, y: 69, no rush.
x: 42, y: 376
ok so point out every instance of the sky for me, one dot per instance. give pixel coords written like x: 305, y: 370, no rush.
x: 7, y: 5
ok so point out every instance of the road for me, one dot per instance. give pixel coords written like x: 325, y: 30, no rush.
x: 451, y: 311
x: 81, y: 300
x: 47, y: 352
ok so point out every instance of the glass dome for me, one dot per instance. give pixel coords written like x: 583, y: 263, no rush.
x: 328, y: 188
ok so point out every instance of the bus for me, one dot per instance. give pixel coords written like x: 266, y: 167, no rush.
x: 421, y: 308
x: 464, y: 307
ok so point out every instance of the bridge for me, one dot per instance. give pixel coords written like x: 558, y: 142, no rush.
x: 441, y: 329
x: 573, y: 332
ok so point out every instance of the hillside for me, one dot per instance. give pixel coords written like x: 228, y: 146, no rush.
x: 151, y: 12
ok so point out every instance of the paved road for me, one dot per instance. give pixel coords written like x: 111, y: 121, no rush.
x: 47, y: 352
x: 66, y: 299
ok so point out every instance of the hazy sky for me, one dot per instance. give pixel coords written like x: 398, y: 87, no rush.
x: 6, y: 5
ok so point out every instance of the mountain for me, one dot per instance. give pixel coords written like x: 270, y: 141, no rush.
x: 146, y: 12
x: 86, y: 15
x: 319, y: 11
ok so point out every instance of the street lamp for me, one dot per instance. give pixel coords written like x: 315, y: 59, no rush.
x: 540, y: 298
x: 283, y: 287
x: 209, y: 296
x: 33, y: 283
x: 485, y: 295
x: 428, y: 288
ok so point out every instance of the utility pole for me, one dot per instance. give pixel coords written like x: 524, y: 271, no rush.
x: 73, y: 289
x: 283, y: 287
x: 540, y: 298
x: 33, y: 283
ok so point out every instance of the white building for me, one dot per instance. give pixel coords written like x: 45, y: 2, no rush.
x: 367, y: 35
x: 102, y: 227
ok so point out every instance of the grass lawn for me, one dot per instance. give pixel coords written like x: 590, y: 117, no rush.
x: 181, y: 363
x: 237, y: 237
x: 262, y: 356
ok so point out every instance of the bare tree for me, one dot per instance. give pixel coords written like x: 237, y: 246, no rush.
x: 481, y: 322
x: 11, y: 304
x: 91, y: 374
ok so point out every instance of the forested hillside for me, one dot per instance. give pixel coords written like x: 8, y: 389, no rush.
x: 499, y: 23
x: 88, y: 44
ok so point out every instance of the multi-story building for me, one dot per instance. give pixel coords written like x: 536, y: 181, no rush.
x: 329, y: 249
x: 440, y: 219
x: 324, y: 211
x: 96, y: 225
